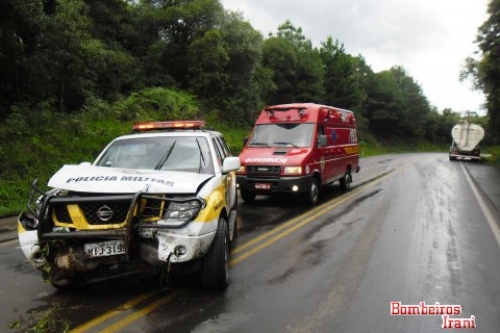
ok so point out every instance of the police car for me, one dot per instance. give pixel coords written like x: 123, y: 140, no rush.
x: 161, y: 200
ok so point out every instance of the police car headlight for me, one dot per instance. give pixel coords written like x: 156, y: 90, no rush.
x: 292, y: 170
x: 180, y: 213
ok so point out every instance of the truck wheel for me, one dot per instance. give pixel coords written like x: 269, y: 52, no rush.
x: 215, y: 268
x: 345, y: 182
x: 313, y: 193
x: 247, y: 196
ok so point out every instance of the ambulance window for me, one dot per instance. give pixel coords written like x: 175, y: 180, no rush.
x: 283, y: 135
x: 320, y: 131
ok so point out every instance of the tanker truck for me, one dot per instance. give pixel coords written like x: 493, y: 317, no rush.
x: 466, y: 138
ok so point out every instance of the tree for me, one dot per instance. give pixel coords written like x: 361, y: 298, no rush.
x: 246, y: 80
x: 207, y: 61
x: 170, y: 26
x: 486, y: 71
x: 115, y: 68
x: 396, y: 104
x: 297, y: 70
x: 342, y: 86
x: 20, y: 23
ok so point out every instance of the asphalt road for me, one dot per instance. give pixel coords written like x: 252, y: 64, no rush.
x: 415, y: 229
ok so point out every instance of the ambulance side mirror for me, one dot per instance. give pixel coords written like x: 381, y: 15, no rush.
x: 245, y: 140
x: 321, y: 141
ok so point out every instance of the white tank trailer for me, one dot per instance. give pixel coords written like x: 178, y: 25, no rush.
x: 466, y: 138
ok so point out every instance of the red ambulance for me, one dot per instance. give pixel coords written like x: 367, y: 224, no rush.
x: 299, y: 148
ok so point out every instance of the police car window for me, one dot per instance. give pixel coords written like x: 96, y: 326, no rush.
x: 224, y: 147
x: 218, y: 151
x: 184, y: 154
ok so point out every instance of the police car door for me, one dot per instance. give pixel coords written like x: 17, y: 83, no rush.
x: 222, y: 151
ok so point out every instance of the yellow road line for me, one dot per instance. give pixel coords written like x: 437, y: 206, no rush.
x: 316, y: 212
x: 320, y: 209
x: 113, y: 313
x: 292, y: 225
x: 138, y: 314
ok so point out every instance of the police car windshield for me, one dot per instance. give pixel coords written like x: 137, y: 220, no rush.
x: 185, y: 154
x: 282, y: 135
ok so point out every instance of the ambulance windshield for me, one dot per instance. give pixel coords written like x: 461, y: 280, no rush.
x: 282, y: 135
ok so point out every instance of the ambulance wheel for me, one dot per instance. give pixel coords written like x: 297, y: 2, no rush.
x: 313, y: 193
x: 345, y: 182
x: 248, y: 196
x: 215, y: 268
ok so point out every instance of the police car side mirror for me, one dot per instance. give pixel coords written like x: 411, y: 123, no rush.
x: 230, y: 164
x: 321, y: 142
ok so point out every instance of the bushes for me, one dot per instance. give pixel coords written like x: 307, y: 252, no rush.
x: 37, y: 141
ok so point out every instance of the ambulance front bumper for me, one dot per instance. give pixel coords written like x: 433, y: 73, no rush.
x: 275, y: 185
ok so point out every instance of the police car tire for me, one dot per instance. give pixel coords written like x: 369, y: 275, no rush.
x: 215, y: 268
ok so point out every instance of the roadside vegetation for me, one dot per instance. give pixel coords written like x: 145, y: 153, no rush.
x: 74, y: 74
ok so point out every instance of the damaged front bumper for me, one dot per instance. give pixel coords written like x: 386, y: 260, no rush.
x: 63, y: 236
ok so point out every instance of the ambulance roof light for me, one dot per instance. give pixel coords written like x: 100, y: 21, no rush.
x: 169, y: 125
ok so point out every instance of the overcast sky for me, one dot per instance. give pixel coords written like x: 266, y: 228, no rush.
x: 430, y: 39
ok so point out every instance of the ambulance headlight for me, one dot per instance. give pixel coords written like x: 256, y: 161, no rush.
x: 292, y: 170
x: 242, y: 169
x: 180, y: 213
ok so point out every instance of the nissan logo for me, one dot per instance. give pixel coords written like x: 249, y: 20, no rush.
x: 105, y: 213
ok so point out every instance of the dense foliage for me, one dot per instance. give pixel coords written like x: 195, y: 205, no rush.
x: 485, y: 72
x: 75, y: 73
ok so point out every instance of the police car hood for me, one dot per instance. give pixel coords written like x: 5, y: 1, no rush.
x: 273, y: 156
x: 95, y: 179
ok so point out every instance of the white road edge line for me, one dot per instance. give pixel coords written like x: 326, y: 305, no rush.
x: 487, y: 213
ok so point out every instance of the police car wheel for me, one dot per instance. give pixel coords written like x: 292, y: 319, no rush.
x: 215, y: 268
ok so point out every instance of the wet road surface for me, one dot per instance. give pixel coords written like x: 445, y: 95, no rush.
x: 413, y: 228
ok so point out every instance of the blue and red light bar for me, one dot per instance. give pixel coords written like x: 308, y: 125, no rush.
x: 169, y: 125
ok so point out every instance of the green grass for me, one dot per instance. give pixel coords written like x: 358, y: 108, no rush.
x: 491, y: 155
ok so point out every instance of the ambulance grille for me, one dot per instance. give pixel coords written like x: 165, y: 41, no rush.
x: 263, y: 170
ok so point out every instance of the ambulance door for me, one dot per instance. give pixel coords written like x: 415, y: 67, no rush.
x: 331, y: 157
x: 319, y: 155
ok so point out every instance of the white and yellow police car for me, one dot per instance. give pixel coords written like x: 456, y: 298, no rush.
x: 159, y: 200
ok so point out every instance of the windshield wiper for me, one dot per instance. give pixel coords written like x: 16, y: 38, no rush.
x: 165, y: 156
x: 286, y: 144
x: 259, y: 144
x: 202, y: 158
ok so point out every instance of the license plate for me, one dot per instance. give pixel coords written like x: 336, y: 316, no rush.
x: 262, y: 186
x: 105, y: 249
